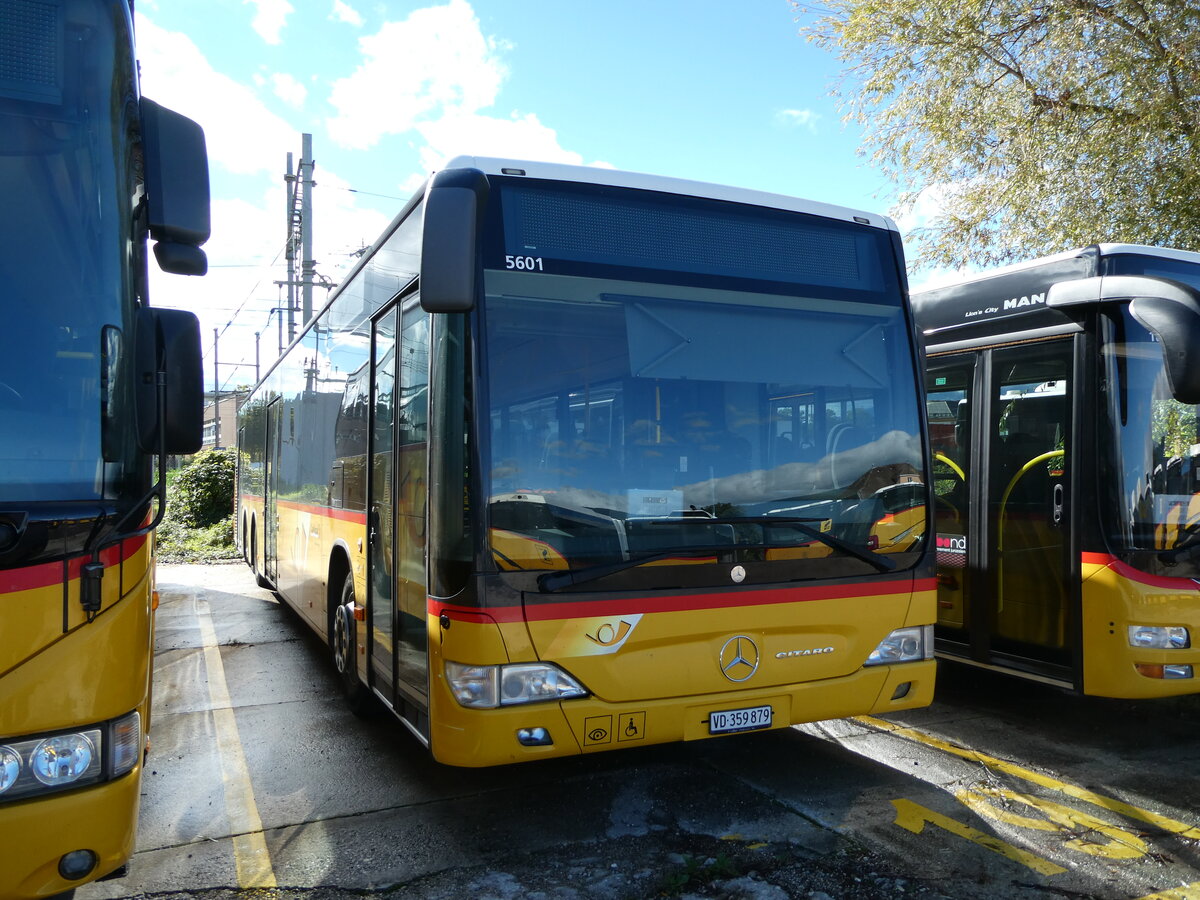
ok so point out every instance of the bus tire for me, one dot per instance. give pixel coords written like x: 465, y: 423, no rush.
x: 342, y: 646
x: 259, y: 579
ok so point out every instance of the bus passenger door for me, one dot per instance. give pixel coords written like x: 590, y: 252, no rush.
x: 270, y: 525
x: 999, y: 424
x: 381, y: 506
x: 1027, y: 522
x: 412, y: 437
x: 950, y: 386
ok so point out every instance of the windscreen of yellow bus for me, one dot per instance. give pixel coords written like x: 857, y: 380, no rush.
x: 672, y: 382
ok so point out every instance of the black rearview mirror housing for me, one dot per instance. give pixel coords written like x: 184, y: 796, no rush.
x: 454, y: 207
x: 1169, y: 309
x: 169, y: 384
x: 177, y: 190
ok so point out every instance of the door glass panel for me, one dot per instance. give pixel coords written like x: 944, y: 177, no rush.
x: 1027, y: 500
x: 380, y: 516
x: 412, y: 416
x: 271, y: 506
x: 949, y: 385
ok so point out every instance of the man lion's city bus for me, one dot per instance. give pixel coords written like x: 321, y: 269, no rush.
x: 577, y: 460
x: 93, y: 385
x: 1062, y: 400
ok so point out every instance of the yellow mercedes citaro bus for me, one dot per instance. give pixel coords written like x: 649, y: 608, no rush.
x: 577, y: 460
x: 93, y: 385
x: 1062, y: 403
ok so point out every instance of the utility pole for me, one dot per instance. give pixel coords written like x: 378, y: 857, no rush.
x: 290, y: 250
x: 307, y: 266
x: 216, y: 395
x: 299, y: 236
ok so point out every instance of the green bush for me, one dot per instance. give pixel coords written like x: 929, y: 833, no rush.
x: 178, y: 543
x: 202, y: 494
x: 198, y: 525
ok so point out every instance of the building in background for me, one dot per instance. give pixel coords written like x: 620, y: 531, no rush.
x: 220, y: 419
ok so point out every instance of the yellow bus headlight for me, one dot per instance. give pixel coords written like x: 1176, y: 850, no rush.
x: 903, y: 645
x: 64, y: 758
x: 10, y: 768
x: 486, y: 687
x: 39, y: 764
x: 1159, y: 637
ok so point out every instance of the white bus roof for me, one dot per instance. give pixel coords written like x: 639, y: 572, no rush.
x: 1105, y: 250
x: 617, y: 178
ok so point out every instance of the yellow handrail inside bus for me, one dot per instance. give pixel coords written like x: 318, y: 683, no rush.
x: 941, y: 457
x: 1041, y: 457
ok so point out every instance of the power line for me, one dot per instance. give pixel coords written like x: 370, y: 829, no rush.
x: 367, y: 193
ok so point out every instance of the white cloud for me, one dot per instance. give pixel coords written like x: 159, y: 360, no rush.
x: 243, y: 135
x: 245, y: 139
x: 521, y: 137
x: 289, y: 90
x: 269, y: 18
x: 447, y: 65
x: 344, y: 12
x: 798, y: 118
x: 931, y: 203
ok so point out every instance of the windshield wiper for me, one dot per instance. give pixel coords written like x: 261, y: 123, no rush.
x: 549, y: 582
x: 880, y: 563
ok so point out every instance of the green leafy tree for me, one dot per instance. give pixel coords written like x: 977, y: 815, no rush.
x: 203, y: 491
x: 1036, y: 125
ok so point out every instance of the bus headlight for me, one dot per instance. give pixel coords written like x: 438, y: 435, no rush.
x: 903, y: 645
x: 486, y: 687
x: 10, y: 768
x: 1159, y: 637
x: 63, y: 759
x: 42, y: 764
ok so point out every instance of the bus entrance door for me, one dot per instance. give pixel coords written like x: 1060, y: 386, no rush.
x: 396, y: 512
x: 1026, y: 509
x: 381, y: 507
x: 271, y: 491
x: 1001, y: 504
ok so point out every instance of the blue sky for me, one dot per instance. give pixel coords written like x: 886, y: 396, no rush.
x: 724, y: 92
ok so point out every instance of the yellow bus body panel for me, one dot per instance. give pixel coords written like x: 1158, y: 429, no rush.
x: 1116, y: 596
x: 38, y: 832
x: 659, y: 688
x: 95, y: 672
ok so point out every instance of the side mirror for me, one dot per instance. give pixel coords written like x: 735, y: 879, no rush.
x: 177, y: 194
x: 454, y: 207
x: 1176, y: 320
x: 1169, y: 309
x: 169, y: 381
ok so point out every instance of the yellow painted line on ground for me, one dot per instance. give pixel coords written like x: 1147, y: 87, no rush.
x: 1184, y: 892
x: 1118, y: 806
x: 912, y: 817
x: 250, y: 852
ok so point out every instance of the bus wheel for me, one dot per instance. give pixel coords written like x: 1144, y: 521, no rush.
x: 343, y: 646
x: 259, y: 579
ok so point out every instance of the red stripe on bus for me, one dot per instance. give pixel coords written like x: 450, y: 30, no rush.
x: 1127, y: 571
x: 45, y: 575
x: 344, y: 515
x: 543, y: 612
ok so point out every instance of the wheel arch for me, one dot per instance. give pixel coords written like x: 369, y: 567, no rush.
x: 339, y: 568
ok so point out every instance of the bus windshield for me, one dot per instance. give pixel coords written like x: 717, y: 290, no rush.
x: 693, y: 381
x: 1154, y: 517
x: 65, y: 176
